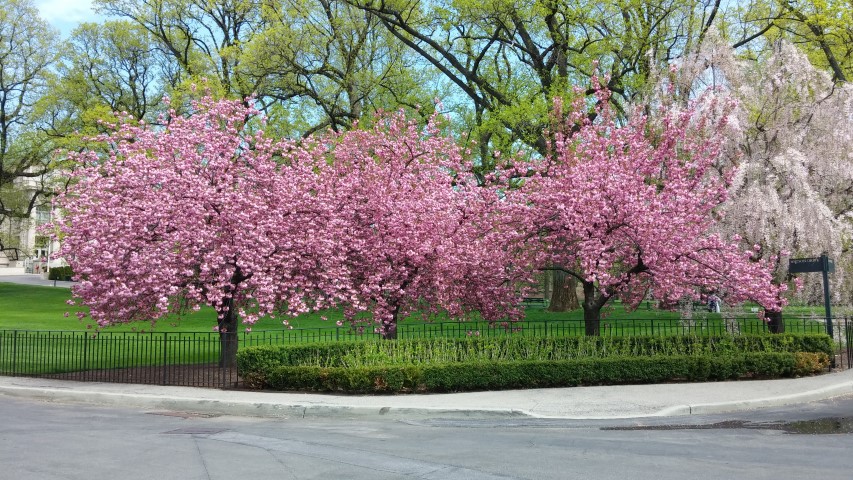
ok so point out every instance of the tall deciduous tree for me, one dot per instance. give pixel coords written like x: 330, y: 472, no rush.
x: 510, y: 59
x: 507, y: 60
x: 416, y: 232
x: 197, y: 213
x: 792, y: 193
x: 630, y: 210
x: 28, y: 50
x: 115, y: 67
x: 821, y: 29
x: 310, y: 64
x: 205, y: 38
x: 105, y: 70
x: 325, y: 64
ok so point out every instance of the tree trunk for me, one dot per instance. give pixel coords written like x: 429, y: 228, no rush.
x: 592, y: 322
x: 564, y: 295
x: 591, y: 311
x: 228, y: 336
x: 775, y: 322
x: 389, y: 328
x: 389, y: 332
x: 547, y: 284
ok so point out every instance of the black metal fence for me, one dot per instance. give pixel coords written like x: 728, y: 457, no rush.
x: 193, y: 359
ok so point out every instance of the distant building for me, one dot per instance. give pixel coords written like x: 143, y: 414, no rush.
x: 25, y: 250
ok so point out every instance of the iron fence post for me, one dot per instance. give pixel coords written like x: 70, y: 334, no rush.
x: 165, y: 358
x: 15, y: 353
x: 85, y: 352
x: 847, y: 334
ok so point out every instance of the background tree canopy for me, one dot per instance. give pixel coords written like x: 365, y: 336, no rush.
x: 493, y: 67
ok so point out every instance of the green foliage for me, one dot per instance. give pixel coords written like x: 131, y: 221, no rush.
x: 810, y: 363
x: 28, y: 52
x: 60, y: 273
x: 517, y: 348
x: 455, y: 377
x: 444, y: 364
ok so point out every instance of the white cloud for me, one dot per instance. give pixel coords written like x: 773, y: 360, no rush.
x: 65, y: 15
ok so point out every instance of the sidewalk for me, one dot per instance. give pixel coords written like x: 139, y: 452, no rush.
x: 607, y: 402
x: 30, y: 279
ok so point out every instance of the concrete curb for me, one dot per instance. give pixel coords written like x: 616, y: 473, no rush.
x: 213, y: 406
x: 217, y: 403
x: 823, y: 393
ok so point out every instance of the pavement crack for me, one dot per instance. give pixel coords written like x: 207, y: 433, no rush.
x: 201, y: 457
x: 371, y: 460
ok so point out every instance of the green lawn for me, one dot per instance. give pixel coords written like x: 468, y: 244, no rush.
x: 24, y: 307
x: 28, y: 312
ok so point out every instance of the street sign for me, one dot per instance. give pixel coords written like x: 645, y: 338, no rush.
x: 813, y: 264
x: 822, y: 264
x: 803, y: 265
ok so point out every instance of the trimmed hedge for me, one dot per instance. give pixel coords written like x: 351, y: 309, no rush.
x: 60, y: 273
x: 456, y: 377
x: 449, y: 350
x: 443, y: 365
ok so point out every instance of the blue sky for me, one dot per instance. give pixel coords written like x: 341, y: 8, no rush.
x: 65, y: 15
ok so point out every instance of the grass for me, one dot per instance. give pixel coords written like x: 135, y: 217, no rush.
x: 26, y: 309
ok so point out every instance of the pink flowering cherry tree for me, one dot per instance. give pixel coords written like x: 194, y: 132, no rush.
x: 794, y: 154
x: 629, y: 209
x: 416, y: 232
x: 196, y: 212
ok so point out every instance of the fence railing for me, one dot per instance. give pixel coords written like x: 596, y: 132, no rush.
x: 193, y: 359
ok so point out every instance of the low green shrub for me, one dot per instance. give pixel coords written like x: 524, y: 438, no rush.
x: 457, y: 377
x: 810, y: 363
x: 503, y: 349
x: 60, y: 273
x: 446, y: 364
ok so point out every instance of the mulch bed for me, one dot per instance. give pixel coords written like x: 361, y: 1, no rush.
x: 206, y: 375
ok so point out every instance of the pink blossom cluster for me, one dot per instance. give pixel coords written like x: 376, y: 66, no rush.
x: 630, y: 210
x: 198, y: 212
x: 388, y: 221
x: 416, y: 232
x: 206, y: 211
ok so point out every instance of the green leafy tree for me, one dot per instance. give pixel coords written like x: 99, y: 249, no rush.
x: 28, y: 51
x: 105, y: 69
x: 326, y: 64
x: 822, y: 29
x: 204, y: 38
x: 507, y: 60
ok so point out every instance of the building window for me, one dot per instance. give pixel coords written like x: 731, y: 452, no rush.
x: 41, y: 242
x: 42, y: 215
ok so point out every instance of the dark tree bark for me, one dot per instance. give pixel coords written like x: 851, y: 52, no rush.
x: 228, y: 341
x: 389, y: 329
x: 775, y: 322
x: 592, y: 310
x: 564, y: 295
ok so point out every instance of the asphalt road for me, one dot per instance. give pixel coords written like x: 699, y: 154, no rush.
x: 51, y: 441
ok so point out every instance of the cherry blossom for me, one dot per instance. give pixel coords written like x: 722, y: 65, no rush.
x: 416, y: 232
x: 630, y: 210
x: 198, y: 212
x: 793, y: 149
x: 209, y: 211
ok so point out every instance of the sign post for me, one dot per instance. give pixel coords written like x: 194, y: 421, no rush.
x: 822, y: 264
x: 825, y: 266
